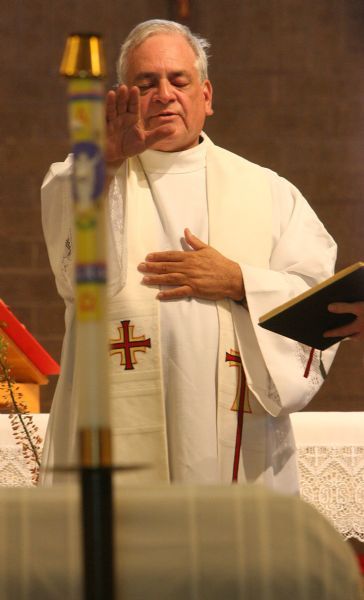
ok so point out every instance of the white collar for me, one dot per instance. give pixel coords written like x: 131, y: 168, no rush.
x: 193, y: 159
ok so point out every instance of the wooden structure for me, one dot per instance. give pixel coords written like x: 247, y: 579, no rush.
x: 30, y: 364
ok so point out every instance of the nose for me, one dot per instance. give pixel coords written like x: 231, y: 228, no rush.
x: 164, y: 92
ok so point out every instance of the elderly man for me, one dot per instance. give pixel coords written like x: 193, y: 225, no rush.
x: 202, y: 242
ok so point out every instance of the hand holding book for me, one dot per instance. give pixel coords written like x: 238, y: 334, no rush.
x: 355, y: 329
x: 325, y: 313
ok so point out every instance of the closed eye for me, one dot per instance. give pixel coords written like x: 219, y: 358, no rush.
x: 144, y: 87
x: 148, y: 81
x: 180, y: 83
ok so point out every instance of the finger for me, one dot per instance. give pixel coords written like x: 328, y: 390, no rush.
x: 193, y: 240
x: 167, y: 256
x: 133, y: 104
x: 160, y: 268
x: 184, y: 291
x: 355, y: 308
x: 334, y: 333
x: 122, y: 95
x: 346, y: 330
x: 111, y: 113
x: 169, y: 279
x: 347, y: 337
x: 341, y: 307
x: 156, y: 267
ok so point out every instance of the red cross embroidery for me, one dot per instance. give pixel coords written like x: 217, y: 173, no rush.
x: 234, y: 360
x: 127, y: 345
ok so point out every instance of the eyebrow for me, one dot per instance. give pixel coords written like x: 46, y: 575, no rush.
x: 154, y: 74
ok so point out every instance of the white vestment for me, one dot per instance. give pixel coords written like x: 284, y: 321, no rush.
x: 172, y: 406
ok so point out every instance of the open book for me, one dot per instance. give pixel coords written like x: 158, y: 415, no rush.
x: 305, y: 318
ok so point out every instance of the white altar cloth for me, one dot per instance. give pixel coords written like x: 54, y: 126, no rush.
x: 14, y: 468
x: 334, y: 429
x: 330, y: 448
x: 177, y: 543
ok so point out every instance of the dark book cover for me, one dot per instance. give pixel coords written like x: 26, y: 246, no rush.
x: 305, y: 318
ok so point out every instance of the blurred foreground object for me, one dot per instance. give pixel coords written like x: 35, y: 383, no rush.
x: 180, y: 542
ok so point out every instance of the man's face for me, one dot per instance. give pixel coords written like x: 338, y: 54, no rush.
x: 163, y: 68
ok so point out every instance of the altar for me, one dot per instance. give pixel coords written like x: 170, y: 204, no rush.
x: 194, y: 542
x: 330, y: 447
x: 177, y: 543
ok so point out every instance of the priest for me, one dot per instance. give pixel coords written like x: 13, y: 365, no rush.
x: 201, y: 243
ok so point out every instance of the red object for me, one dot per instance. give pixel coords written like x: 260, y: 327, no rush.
x: 361, y: 562
x: 309, y: 362
x: 184, y: 9
x: 24, y: 340
x: 239, y: 429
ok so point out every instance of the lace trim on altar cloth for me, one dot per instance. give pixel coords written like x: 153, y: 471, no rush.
x: 332, y: 480
x: 14, y: 471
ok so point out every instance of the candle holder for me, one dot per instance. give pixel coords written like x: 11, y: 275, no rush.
x: 83, y: 64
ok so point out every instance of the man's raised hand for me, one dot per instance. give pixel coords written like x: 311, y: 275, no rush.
x: 125, y: 132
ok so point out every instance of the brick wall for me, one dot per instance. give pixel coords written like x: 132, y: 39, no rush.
x: 289, y: 94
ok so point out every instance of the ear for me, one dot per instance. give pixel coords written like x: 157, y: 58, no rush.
x: 207, y: 92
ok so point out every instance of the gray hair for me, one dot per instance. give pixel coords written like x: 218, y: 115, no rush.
x: 153, y: 27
